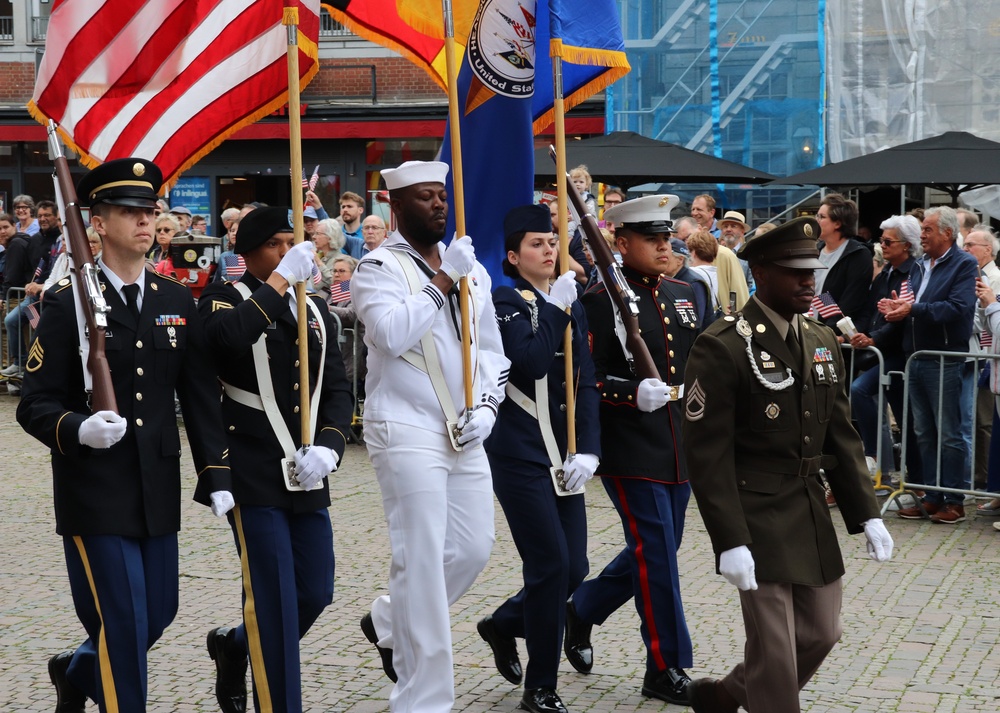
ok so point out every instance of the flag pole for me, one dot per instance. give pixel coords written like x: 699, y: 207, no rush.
x: 459, y: 197
x: 559, y: 109
x: 290, y: 19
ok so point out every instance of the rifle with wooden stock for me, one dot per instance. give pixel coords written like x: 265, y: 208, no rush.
x: 91, y: 308
x: 624, y: 300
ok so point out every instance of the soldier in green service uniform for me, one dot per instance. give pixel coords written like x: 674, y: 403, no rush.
x: 765, y: 410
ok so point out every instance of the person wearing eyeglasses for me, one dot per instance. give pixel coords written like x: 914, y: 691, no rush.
x: 166, y: 228
x: 24, y: 211
x: 981, y: 243
x: 900, y: 247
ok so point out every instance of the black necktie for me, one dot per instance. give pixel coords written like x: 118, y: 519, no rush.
x: 132, y: 300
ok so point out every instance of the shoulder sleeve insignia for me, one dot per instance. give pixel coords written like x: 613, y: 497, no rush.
x: 35, y: 356
x: 220, y: 304
x: 63, y: 282
x: 694, y: 406
x: 528, y: 295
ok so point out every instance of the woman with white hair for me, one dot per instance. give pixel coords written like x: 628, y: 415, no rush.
x: 329, y: 238
x: 900, y: 247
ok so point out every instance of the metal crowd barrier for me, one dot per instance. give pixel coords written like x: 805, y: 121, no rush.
x: 976, y: 358
x: 13, y: 299
x: 880, y: 404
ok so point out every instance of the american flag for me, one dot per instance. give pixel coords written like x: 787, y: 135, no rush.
x: 235, y: 266
x: 38, y: 270
x: 986, y: 339
x: 314, y: 179
x: 305, y: 181
x: 825, y: 306
x: 167, y: 80
x: 906, y: 292
x: 340, y: 292
x: 33, y: 315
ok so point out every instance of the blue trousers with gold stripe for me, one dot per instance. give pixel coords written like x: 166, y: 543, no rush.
x: 125, y: 594
x: 652, y: 517
x: 287, y: 562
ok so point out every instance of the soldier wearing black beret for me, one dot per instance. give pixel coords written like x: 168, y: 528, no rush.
x: 280, y: 521
x: 766, y: 410
x: 117, y: 475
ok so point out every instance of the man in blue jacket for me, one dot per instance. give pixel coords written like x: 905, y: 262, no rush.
x: 939, y: 320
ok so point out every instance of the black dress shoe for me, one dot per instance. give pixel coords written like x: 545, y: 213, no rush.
x: 69, y: 698
x: 707, y: 695
x: 230, y: 671
x: 670, y: 685
x: 504, y: 650
x: 368, y: 628
x: 542, y: 700
x: 579, y: 651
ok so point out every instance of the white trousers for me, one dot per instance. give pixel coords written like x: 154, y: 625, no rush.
x: 439, y: 507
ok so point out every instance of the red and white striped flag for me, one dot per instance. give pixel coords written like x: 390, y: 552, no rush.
x: 33, y: 315
x: 825, y: 306
x: 305, y: 181
x: 314, y: 179
x: 235, y: 266
x: 340, y: 292
x: 167, y: 80
x: 906, y: 292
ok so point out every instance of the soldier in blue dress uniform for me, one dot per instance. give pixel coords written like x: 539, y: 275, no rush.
x: 116, y: 476
x: 545, y: 511
x: 642, y: 467
x: 282, y: 530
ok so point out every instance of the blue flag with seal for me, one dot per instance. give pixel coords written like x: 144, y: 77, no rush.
x: 506, y: 95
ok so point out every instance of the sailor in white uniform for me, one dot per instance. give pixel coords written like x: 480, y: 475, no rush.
x: 426, y: 447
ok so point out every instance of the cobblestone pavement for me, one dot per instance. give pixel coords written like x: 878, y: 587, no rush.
x: 920, y: 633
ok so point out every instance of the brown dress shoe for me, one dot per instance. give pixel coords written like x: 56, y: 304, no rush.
x: 916, y: 513
x: 949, y: 514
x: 708, y: 695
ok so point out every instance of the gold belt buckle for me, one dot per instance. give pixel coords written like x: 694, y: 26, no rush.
x: 675, y: 393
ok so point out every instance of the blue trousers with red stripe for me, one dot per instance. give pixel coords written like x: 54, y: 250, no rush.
x: 287, y: 562
x: 652, y: 517
x: 125, y: 594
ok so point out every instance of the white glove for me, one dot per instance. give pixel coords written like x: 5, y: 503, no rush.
x: 651, y: 395
x: 222, y: 502
x: 102, y: 430
x: 298, y: 263
x: 579, y: 470
x: 563, y: 292
x: 737, y: 566
x: 458, y: 258
x: 314, y: 464
x: 475, y: 429
x: 879, y: 540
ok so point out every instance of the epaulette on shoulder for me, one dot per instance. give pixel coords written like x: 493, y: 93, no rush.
x: 673, y: 281
x: 168, y: 278
x: 595, y: 289
x: 723, y: 324
x: 813, y: 320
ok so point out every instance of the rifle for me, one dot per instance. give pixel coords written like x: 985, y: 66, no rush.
x: 90, y: 303
x: 623, y: 299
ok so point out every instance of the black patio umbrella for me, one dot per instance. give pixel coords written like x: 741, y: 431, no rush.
x: 954, y: 162
x: 626, y: 159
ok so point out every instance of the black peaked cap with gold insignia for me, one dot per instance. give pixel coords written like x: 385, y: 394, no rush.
x: 124, y: 181
x: 791, y: 244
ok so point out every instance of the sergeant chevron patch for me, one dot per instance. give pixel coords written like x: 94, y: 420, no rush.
x: 694, y: 407
x: 35, y: 356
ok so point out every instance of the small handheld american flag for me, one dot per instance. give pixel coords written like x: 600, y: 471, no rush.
x: 340, y: 292
x: 825, y: 306
x: 906, y: 292
x: 33, y: 315
x: 235, y: 266
x: 314, y: 179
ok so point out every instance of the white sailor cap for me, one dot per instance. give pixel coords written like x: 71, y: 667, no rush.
x: 648, y: 215
x: 413, y: 172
